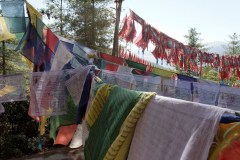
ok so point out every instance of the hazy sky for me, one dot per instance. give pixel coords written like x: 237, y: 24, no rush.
x: 214, y: 19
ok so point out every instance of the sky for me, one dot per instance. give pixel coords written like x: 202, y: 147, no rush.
x: 214, y: 19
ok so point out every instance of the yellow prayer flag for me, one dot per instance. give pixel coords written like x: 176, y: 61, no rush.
x: 162, y: 72
x: 34, y: 14
x: 6, y: 90
x: 28, y: 62
x: 4, y: 34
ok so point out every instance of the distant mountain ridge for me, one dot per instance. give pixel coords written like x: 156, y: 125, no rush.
x: 216, y: 47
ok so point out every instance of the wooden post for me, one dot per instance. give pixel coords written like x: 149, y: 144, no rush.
x: 61, y: 21
x: 93, y: 38
x: 3, y: 58
x: 115, y: 40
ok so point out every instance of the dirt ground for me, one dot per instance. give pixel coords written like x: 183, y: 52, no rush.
x: 60, y: 153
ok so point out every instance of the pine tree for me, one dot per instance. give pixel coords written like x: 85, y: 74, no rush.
x: 89, y: 22
x: 11, y: 61
x: 233, y: 47
x: 193, y: 39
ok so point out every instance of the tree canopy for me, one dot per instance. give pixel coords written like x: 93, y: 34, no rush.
x: 193, y: 39
x: 89, y: 22
x: 233, y: 47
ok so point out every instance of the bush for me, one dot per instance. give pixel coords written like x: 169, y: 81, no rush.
x: 18, y: 131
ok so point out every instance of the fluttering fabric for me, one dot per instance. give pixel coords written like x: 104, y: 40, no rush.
x: 168, y: 88
x: 136, y: 65
x: 202, y: 91
x: 143, y: 67
x: 229, y: 118
x: 226, y: 145
x: 120, y: 79
x: 41, y: 28
x: 129, y: 30
x: 79, y: 51
x: 174, y: 52
x: 162, y: 72
x: 175, y: 129
x: 48, y: 94
x: 76, y: 141
x: 105, y: 119
x: 12, y: 88
x: 131, y: 81
x: 75, y: 84
x: 61, y: 58
x: 96, y: 83
x: 14, y: 15
x: 123, y: 80
x: 34, y: 14
x: 65, y: 134
x: 103, y: 64
x: 101, y: 96
x: 34, y: 49
x: 63, y: 120
x: 113, y: 59
x: 120, y: 147
x: 4, y: 33
x: 72, y: 109
x: 127, y: 54
x: 183, y: 90
x: 51, y: 40
x: 29, y: 63
x: 229, y: 97
x: 82, y: 107
x: 207, y: 94
x: 43, y: 121
x: 186, y: 78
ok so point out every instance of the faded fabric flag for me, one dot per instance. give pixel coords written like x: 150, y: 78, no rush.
x: 48, y: 94
x: 33, y: 14
x: 13, y: 12
x: 4, y: 33
x: 12, y: 88
x: 34, y: 49
x: 62, y: 57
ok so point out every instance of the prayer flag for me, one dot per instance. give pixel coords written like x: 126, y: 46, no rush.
x: 14, y: 15
x: 4, y: 33
x: 34, y: 49
x: 33, y: 14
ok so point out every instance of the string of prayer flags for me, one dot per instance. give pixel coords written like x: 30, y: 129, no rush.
x: 174, y: 52
x: 14, y: 15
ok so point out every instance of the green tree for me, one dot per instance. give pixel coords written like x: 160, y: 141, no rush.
x: 233, y: 47
x: 193, y: 39
x: 210, y: 74
x: 11, y: 60
x: 89, y: 22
